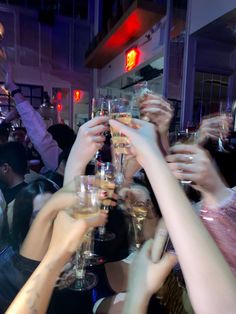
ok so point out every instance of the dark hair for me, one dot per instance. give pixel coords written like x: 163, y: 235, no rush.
x: 14, y: 154
x: 64, y: 155
x: 63, y: 135
x: 20, y: 128
x: 23, y: 208
x: 4, y: 131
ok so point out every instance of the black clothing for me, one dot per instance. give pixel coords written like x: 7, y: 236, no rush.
x: 10, y: 193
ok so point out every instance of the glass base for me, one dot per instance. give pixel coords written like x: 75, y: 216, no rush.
x: 88, y: 282
x: 92, y: 259
x: 103, y: 237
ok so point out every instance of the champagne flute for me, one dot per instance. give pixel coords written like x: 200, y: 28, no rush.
x: 86, y: 183
x: 188, y: 138
x: 87, y: 205
x: 120, y: 110
x: 105, y: 174
x: 225, y: 113
x: 100, y: 107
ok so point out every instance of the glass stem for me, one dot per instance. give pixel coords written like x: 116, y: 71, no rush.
x: 79, y: 266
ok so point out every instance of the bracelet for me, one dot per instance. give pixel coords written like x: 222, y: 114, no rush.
x: 15, y: 91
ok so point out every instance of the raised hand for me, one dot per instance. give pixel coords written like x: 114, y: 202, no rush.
x: 68, y: 233
x: 147, y: 275
x: 142, y: 136
x: 214, y: 127
x: 89, y: 140
x: 157, y: 110
x: 192, y: 163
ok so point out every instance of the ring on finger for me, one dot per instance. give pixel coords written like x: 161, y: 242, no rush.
x: 189, y: 158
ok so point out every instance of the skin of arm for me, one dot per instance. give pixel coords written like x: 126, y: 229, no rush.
x: 38, y: 238
x: 89, y: 139
x: 148, y: 272
x: 202, y: 263
x: 67, y: 236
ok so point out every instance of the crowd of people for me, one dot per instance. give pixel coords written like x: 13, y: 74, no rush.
x: 194, y: 272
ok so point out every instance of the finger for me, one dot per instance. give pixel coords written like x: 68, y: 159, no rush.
x: 146, y: 248
x: 98, y: 139
x: 184, y: 148
x: 183, y: 167
x: 156, y: 104
x: 156, y: 111
x: 97, y: 120
x: 179, y: 158
x: 165, y: 265
x: 183, y: 176
x: 160, y: 239
x: 97, y: 129
x: 122, y: 127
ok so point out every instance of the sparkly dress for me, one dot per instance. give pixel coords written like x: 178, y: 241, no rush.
x: 221, y: 224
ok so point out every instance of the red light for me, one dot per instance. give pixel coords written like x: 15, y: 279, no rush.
x: 59, y: 107
x: 59, y: 96
x: 131, y: 59
x: 77, y: 95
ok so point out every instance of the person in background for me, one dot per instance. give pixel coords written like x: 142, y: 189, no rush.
x: 27, y: 204
x: 19, y: 266
x: 218, y: 205
x: 63, y: 135
x: 13, y: 167
x: 36, y: 128
x: 4, y: 132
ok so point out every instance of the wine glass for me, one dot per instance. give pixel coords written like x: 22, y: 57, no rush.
x: 225, y: 114
x: 120, y: 110
x: 137, y: 204
x: 87, y: 205
x: 141, y: 91
x: 105, y: 174
x: 100, y: 107
x: 188, y: 138
x: 84, y: 183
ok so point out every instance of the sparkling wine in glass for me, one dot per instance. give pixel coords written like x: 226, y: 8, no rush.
x: 105, y: 174
x: 188, y: 138
x: 121, y: 110
x: 87, y: 205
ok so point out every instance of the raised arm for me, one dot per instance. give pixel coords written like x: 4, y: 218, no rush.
x: 42, y: 140
x: 67, y: 236
x: 89, y: 139
x: 202, y: 263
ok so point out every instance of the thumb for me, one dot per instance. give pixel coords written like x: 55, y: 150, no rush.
x: 121, y: 127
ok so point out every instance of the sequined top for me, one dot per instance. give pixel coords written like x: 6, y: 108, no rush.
x: 221, y: 224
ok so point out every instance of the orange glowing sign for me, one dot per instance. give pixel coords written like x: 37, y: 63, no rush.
x: 59, y: 107
x: 131, y: 59
x: 77, y: 95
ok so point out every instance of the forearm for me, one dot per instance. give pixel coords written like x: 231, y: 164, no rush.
x: 35, y: 295
x: 135, y: 303
x: 191, y: 241
x: 74, y: 166
x: 38, y: 238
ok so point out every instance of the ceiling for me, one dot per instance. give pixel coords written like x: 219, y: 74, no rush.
x: 71, y: 8
x: 222, y: 29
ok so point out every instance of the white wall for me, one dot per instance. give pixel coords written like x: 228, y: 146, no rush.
x: 49, y: 56
x: 203, y: 12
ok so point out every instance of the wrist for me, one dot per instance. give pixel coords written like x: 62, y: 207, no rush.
x: 137, y: 304
x: 216, y: 196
